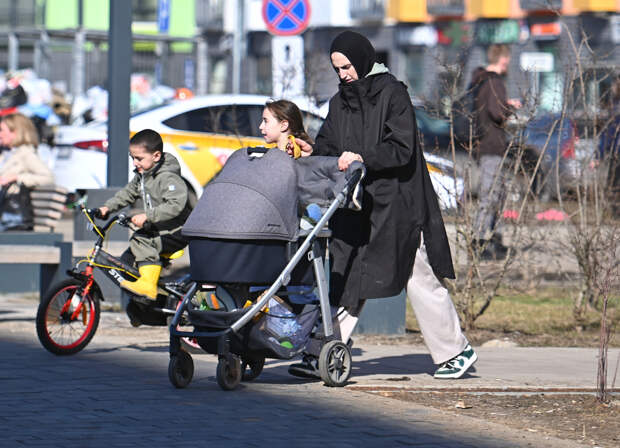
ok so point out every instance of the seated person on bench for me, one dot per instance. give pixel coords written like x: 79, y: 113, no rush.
x: 21, y: 169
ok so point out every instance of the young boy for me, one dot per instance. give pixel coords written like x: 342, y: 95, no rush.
x: 159, y: 184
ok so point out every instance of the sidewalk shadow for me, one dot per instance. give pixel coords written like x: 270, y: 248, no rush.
x: 411, y: 364
x: 16, y: 319
x: 399, y: 367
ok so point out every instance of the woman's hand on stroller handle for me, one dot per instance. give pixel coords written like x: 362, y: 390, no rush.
x: 346, y: 158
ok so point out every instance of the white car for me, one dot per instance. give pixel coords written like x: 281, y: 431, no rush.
x: 201, y: 132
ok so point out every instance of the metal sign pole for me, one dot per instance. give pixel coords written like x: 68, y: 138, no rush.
x: 119, y: 75
x: 238, y: 47
x: 78, y: 72
x: 13, y: 40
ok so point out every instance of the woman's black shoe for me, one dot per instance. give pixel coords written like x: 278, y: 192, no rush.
x: 307, y: 368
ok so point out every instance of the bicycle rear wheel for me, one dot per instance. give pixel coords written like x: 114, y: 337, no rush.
x: 65, y: 321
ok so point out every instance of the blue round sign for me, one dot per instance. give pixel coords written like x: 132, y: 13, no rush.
x: 286, y: 17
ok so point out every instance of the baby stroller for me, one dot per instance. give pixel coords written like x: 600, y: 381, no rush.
x: 255, y: 270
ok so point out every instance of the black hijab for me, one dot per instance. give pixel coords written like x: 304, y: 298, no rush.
x: 357, y: 49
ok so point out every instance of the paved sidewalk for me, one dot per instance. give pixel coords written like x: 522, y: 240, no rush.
x: 116, y: 393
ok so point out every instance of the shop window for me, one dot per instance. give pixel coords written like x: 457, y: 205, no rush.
x: 218, y: 75
x: 594, y: 95
x: 19, y: 13
x: 263, y: 75
x: 414, y: 70
x: 551, y: 84
x: 144, y: 10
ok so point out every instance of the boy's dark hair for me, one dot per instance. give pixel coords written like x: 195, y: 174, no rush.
x: 149, y: 139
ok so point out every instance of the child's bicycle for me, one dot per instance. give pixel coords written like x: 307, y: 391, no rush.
x: 68, y: 316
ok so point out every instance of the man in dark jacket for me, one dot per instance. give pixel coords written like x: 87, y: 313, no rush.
x: 492, y: 110
x: 609, y: 148
x: 372, y: 252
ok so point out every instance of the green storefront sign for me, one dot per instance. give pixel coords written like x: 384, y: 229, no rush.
x: 497, y: 32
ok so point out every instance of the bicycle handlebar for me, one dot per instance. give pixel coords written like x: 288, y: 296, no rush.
x: 121, y: 219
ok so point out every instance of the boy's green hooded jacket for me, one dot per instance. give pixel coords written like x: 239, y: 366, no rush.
x: 163, y: 192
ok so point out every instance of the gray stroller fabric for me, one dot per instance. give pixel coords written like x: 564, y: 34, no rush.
x: 319, y: 181
x: 251, y: 198
x: 257, y: 196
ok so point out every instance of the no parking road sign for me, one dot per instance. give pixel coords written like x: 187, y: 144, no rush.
x: 286, y: 17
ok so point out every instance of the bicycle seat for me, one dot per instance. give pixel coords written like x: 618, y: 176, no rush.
x: 174, y: 255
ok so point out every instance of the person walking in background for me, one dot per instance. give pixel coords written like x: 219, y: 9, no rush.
x: 372, y: 252
x: 21, y: 170
x: 609, y: 147
x: 492, y: 109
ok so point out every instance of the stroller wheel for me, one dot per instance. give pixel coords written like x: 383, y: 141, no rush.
x: 251, y: 368
x: 181, y: 369
x: 335, y: 363
x: 228, y: 373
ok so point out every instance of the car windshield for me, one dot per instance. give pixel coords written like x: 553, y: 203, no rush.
x: 149, y: 108
x: 98, y: 123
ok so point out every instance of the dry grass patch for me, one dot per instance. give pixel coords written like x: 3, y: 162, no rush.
x: 540, y: 318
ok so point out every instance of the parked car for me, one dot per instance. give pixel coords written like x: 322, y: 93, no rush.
x: 201, y: 132
x: 552, y: 138
x: 547, y: 135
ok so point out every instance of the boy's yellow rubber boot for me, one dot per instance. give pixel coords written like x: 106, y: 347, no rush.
x: 146, y: 285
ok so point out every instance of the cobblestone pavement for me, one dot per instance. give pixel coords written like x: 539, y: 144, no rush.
x: 116, y: 393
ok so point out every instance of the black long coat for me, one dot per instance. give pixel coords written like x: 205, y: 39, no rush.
x: 372, y: 252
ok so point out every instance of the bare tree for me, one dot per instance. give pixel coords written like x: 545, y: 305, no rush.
x: 478, y: 279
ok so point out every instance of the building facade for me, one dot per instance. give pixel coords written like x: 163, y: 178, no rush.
x: 216, y: 46
x: 433, y: 45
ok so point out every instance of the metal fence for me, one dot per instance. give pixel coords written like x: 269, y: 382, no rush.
x: 78, y: 59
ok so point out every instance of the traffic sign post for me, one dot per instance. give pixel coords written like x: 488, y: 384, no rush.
x: 286, y: 19
x: 287, y: 66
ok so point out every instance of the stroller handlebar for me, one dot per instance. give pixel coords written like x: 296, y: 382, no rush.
x: 355, y: 172
x: 354, y: 175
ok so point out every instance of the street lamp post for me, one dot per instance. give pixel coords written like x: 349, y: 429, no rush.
x: 119, y: 76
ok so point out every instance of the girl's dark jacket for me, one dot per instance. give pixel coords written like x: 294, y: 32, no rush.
x: 372, y: 251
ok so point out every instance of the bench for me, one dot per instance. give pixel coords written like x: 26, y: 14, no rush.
x: 26, y: 255
x: 48, y: 204
x: 54, y: 260
x: 32, y: 260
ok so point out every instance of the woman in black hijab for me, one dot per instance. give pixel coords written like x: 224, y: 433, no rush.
x: 372, y: 252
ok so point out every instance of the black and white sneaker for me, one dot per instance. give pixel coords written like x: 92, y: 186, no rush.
x: 457, y: 366
x: 307, y: 368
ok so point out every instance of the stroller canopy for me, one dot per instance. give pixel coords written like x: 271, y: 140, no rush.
x: 251, y: 198
x: 260, y: 197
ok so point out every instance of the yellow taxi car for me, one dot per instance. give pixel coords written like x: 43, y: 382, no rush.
x: 201, y: 132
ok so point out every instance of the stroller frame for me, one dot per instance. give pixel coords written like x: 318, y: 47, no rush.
x: 335, y: 356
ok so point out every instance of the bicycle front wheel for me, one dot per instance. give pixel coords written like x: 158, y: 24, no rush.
x: 66, y: 322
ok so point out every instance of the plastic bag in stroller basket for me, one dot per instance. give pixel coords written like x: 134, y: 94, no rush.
x: 282, y: 332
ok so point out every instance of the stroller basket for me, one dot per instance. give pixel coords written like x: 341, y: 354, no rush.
x: 214, y: 320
